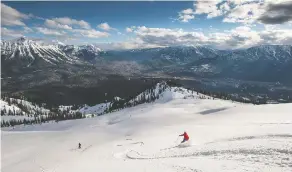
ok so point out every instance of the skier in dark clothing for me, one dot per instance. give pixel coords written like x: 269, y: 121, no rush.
x: 79, y: 146
x: 186, y: 137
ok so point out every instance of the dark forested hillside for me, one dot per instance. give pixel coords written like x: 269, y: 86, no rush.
x: 106, y: 90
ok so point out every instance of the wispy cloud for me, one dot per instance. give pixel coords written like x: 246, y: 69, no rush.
x: 91, y: 33
x: 47, y: 31
x: 12, y: 17
x: 56, y: 25
x: 69, y: 22
x: 27, y: 29
x: 106, y: 27
x: 239, y: 37
x: 186, y: 15
x: 5, y: 32
x: 129, y: 30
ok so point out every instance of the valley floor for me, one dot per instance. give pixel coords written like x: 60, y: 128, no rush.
x: 225, y: 136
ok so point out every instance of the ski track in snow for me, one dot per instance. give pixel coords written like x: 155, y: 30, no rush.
x: 235, y: 137
x: 280, y: 156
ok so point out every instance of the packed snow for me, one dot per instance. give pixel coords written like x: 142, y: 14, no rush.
x: 224, y: 136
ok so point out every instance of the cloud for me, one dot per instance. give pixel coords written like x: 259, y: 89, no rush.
x: 56, y: 25
x: 166, y: 37
x: 67, y: 27
x: 208, y: 7
x: 239, y: 11
x: 211, y: 8
x: 27, y: 29
x: 131, y: 44
x: 10, y: 33
x: 12, y: 17
x: 129, y: 30
x: 245, y: 13
x: 276, y: 36
x: 105, y: 26
x: 243, y: 37
x: 277, y: 13
x: 72, y: 22
x: 6, y: 32
x: 187, y: 11
x: 120, y: 33
x: 91, y: 33
x: 239, y: 37
x: 186, y: 15
x: 47, y: 31
x: 186, y: 18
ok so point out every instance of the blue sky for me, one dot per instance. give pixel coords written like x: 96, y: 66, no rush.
x: 221, y: 24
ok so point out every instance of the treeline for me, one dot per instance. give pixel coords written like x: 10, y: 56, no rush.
x: 34, y: 114
x: 21, y: 103
x: 39, y: 119
x: 55, y: 95
x: 50, y: 97
x: 256, y: 100
x: 149, y: 95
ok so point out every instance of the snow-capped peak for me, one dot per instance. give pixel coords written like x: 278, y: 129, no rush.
x: 53, y: 52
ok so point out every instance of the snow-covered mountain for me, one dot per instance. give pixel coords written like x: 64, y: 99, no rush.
x: 154, y: 57
x: 267, y: 63
x: 23, y: 49
x: 12, y: 108
x: 276, y: 53
x: 224, y: 136
x: 84, y: 52
x: 254, y: 63
x: 21, y: 107
x: 270, y: 63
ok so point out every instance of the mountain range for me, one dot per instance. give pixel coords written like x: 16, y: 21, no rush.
x: 26, y: 61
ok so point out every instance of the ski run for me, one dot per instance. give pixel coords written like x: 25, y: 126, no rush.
x: 224, y: 136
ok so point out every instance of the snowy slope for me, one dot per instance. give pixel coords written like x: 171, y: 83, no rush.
x: 22, y: 109
x: 164, y: 93
x: 12, y: 107
x: 225, y: 136
x: 97, y: 109
x: 30, y: 109
x: 85, y: 52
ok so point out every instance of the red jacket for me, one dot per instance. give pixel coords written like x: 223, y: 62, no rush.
x: 186, y: 137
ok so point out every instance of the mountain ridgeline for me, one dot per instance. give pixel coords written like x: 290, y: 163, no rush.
x: 21, y: 57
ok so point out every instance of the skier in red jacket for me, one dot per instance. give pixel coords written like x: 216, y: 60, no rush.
x: 186, y: 137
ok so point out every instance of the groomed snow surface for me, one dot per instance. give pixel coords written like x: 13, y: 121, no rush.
x: 225, y: 136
